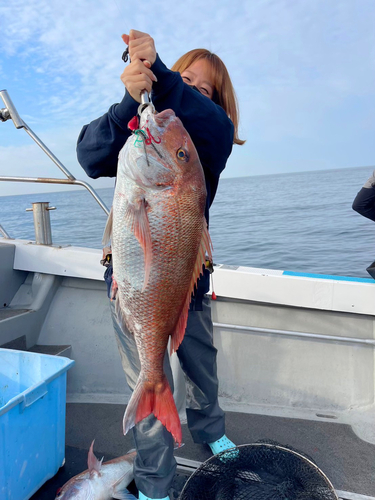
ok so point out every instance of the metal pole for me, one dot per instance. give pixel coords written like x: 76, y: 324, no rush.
x: 49, y: 153
x: 11, y: 112
x: 145, y: 101
x: 4, y: 233
x: 42, y: 222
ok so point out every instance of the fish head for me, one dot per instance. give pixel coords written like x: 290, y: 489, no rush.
x: 77, y: 489
x: 162, y: 151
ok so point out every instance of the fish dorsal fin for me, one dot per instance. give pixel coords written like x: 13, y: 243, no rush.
x: 137, y: 220
x: 204, y: 248
x: 94, y: 465
x: 108, y: 229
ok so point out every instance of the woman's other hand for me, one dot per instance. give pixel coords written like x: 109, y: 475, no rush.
x: 137, y: 76
x: 141, y: 46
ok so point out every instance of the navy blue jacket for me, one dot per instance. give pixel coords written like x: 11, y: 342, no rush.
x: 210, y: 129
x: 364, y: 202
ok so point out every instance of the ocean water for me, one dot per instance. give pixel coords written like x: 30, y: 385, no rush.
x: 297, y: 222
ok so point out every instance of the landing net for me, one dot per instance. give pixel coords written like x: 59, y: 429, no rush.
x: 261, y: 471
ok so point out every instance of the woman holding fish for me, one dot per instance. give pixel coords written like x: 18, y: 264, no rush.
x: 167, y: 177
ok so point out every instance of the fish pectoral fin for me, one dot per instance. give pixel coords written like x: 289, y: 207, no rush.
x: 94, y: 465
x: 130, y: 476
x: 123, y: 495
x: 137, y: 220
x: 204, y: 248
x: 107, y: 235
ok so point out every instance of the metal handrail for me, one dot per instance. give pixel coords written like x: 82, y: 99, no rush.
x: 10, y: 112
x: 51, y: 180
x: 289, y: 333
x: 4, y: 233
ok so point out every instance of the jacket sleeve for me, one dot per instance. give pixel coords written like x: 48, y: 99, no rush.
x: 364, y: 202
x: 100, y: 142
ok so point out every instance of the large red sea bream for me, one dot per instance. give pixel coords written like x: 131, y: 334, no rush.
x: 159, y: 244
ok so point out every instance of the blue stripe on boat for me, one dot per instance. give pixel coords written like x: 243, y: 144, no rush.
x: 328, y: 277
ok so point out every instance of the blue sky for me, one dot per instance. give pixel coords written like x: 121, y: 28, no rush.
x: 303, y: 70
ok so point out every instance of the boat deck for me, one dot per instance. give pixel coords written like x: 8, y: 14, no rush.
x: 347, y: 460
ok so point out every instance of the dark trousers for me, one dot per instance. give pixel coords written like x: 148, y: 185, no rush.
x: 155, y: 466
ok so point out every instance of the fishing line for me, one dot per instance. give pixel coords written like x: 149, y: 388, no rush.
x: 158, y: 152
x: 121, y: 14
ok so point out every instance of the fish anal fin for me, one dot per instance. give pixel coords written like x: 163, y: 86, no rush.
x: 204, y: 248
x: 107, y: 235
x: 178, y: 335
x: 137, y: 220
x: 153, y: 398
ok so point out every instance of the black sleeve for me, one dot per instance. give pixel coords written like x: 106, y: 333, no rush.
x: 364, y: 203
x: 100, y: 142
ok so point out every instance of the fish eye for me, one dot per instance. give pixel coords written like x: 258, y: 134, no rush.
x: 182, y: 155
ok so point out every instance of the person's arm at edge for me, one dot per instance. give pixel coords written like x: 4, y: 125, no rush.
x: 364, y: 202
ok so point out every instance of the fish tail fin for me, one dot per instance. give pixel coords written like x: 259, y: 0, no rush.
x: 155, y: 398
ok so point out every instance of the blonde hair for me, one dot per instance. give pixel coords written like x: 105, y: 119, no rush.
x: 224, y: 93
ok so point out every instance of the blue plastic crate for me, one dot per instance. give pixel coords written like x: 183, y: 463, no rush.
x: 32, y: 420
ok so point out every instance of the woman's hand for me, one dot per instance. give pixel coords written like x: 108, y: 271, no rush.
x: 137, y: 77
x: 141, y: 46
